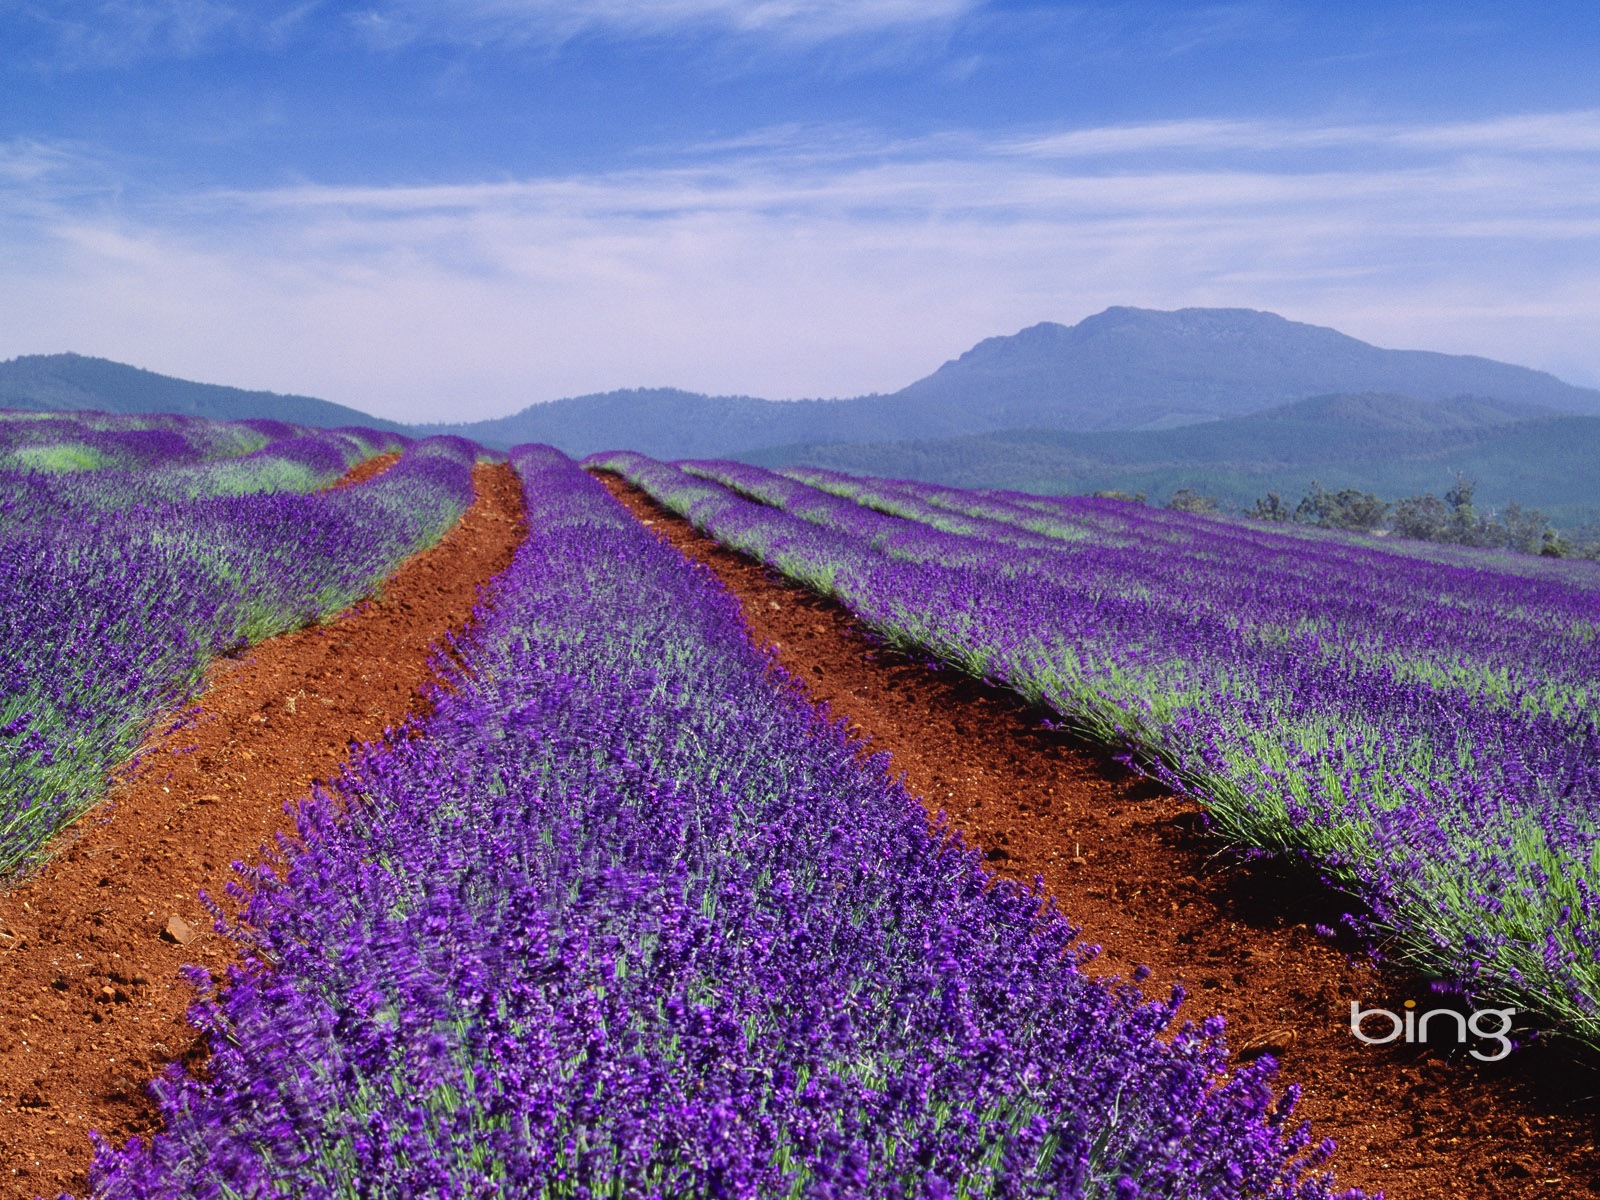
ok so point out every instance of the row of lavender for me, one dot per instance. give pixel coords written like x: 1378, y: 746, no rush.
x: 629, y: 917
x: 60, y: 468
x: 1423, y: 733
x: 1394, y: 570
x: 1063, y: 517
x: 1508, y: 628
x: 94, y: 441
x: 116, y: 588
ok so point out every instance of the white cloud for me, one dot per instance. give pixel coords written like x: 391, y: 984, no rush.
x: 792, y: 267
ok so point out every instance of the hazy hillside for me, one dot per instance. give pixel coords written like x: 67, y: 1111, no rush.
x: 64, y: 382
x: 1130, y: 368
x: 1392, y: 445
x: 668, y: 423
x: 1125, y: 368
x: 1379, y: 410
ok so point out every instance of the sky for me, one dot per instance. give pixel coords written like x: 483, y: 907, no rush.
x: 450, y: 209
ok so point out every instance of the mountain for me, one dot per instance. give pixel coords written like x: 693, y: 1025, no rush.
x: 1131, y: 368
x: 1388, y: 444
x: 64, y: 382
x: 1123, y: 369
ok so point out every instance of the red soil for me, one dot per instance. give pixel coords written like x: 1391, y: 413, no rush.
x: 89, y: 952
x: 363, y: 471
x: 1128, y: 861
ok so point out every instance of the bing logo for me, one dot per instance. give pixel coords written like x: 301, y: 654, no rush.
x: 1416, y: 1028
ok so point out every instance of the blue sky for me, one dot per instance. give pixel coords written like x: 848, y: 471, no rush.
x: 452, y: 208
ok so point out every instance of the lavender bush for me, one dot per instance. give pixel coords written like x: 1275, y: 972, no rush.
x: 1422, y: 730
x: 628, y: 916
x: 115, y: 593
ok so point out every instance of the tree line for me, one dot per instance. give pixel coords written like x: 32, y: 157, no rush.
x: 1453, y: 518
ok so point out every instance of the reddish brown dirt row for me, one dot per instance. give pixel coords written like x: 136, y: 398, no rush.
x: 1127, y: 860
x: 90, y: 987
x: 363, y: 471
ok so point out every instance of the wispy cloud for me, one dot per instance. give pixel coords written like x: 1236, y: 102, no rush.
x: 1518, y: 136
x: 1166, y: 31
x: 1538, y: 133
x: 73, y: 35
x: 559, y: 20
x: 795, y: 265
x: 30, y: 162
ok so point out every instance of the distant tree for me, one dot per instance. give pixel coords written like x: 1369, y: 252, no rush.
x: 1584, y: 541
x: 1467, y: 526
x: 1190, y: 501
x: 1456, y: 519
x: 1528, y: 531
x: 1359, y: 510
x: 1424, y: 518
x: 1131, y: 497
x: 1460, y: 495
x: 1315, y: 507
x: 1270, y: 508
x: 1348, y: 508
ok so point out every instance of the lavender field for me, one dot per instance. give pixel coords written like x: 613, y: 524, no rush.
x: 1416, y: 725
x: 135, y: 550
x: 628, y: 917
x: 626, y: 914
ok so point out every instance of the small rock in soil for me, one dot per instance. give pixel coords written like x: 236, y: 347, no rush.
x: 1276, y: 1042
x: 119, y: 1085
x: 177, y: 930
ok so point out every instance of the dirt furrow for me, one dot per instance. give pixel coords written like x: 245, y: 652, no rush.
x: 363, y: 471
x: 1130, y: 863
x: 91, y: 946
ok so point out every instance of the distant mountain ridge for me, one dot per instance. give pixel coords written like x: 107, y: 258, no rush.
x: 1131, y: 368
x: 1119, y: 370
x: 1231, y: 401
x: 1122, y: 369
x: 67, y: 382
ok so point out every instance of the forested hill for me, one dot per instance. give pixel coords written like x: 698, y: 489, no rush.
x: 73, y: 382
